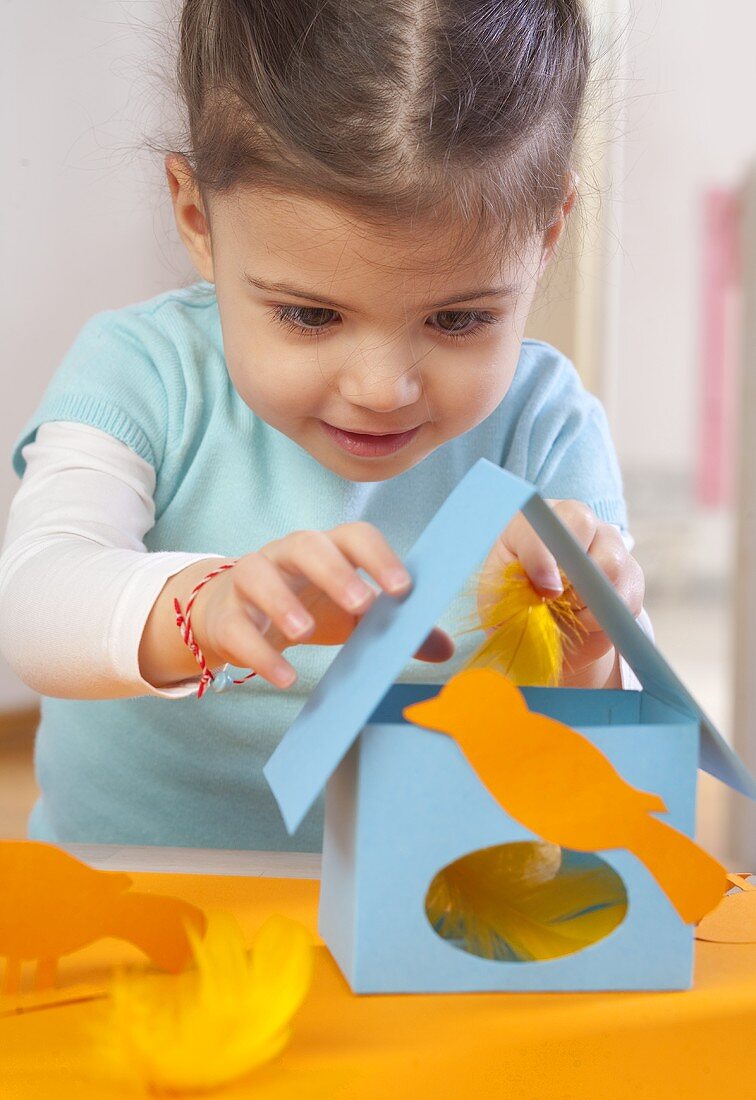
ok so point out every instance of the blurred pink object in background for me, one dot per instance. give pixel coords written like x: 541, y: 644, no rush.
x: 720, y: 348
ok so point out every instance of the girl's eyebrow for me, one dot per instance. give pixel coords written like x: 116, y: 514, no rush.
x: 509, y: 291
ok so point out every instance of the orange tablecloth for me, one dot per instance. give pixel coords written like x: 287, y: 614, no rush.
x: 639, y: 1046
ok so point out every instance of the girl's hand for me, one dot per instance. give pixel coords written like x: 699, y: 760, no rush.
x: 592, y: 661
x: 303, y: 588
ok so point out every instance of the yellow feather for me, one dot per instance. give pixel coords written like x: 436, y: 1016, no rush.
x: 525, y: 901
x: 206, y: 1027
x: 527, y: 633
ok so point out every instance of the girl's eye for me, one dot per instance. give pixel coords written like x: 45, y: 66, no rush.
x: 459, y: 324
x: 305, y: 320
x: 312, y: 320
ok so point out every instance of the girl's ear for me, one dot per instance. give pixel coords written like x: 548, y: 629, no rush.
x: 189, y: 212
x: 556, y: 228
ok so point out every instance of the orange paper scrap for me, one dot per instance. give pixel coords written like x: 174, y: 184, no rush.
x: 556, y: 783
x: 53, y: 904
x: 734, y: 919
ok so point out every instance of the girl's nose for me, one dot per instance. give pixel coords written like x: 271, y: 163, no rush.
x: 381, y: 386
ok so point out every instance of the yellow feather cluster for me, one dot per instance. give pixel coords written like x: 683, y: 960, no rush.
x: 527, y: 633
x: 206, y: 1027
x: 525, y: 901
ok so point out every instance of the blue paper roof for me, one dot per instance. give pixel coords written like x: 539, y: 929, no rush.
x: 457, y: 538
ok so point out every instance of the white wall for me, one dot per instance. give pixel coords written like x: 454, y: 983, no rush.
x: 85, y: 215
x: 689, y: 125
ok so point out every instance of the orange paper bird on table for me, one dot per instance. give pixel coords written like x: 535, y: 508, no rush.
x: 553, y: 781
x: 53, y: 904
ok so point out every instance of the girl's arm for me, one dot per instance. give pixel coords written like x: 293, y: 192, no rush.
x: 77, y: 584
x: 87, y: 613
x: 85, y: 610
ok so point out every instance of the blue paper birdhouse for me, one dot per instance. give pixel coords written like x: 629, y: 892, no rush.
x: 405, y: 810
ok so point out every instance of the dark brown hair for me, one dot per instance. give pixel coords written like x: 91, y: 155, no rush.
x: 393, y: 109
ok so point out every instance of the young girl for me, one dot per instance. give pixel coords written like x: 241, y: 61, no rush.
x: 370, y: 194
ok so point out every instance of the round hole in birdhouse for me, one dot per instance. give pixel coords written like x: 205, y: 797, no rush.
x: 527, y: 901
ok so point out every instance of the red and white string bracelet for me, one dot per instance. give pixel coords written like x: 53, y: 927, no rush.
x: 220, y: 680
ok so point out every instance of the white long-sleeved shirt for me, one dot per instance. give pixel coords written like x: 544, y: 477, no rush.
x: 77, y: 582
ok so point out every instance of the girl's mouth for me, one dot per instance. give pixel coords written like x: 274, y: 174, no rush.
x: 369, y: 446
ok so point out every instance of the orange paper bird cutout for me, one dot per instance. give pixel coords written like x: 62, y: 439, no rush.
x: 53, y: 904
x: 561, y: 787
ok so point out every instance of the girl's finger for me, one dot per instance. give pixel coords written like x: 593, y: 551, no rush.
x: 520, y: 541
x: 608, y: 551
x: 580, y: 520
x: 586, y: 649
x: 436, y: 648
x: 258, y: 581
x: 367, y: 549
x: 315, y: 556
x: 629, y: 586
x: 539, y: 563
x: 240, y: 643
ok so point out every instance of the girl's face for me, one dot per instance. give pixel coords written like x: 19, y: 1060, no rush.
x: 368, y: 350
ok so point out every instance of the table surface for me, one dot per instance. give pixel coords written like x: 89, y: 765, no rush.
x: 638, y: 1046
x: 197, y: 861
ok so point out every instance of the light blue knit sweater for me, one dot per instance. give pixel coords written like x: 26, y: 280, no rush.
x: 188, y: 772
